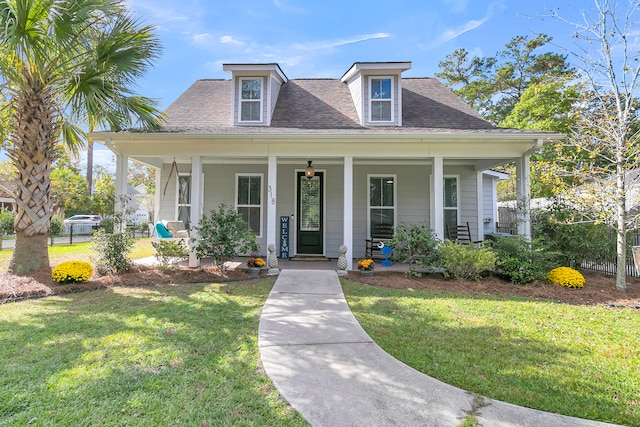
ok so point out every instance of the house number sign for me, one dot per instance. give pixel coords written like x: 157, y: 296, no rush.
x: 284, y: 237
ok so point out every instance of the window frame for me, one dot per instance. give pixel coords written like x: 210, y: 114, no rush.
x: 395, y: 199
x: 444, y: 198
x: 391, y: 100
x: 260, y: 206
x: 259, y: 101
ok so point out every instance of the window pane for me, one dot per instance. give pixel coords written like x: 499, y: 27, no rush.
x: 381, y: 111
x: 451, y: 218
x: 251, y: 89
x: 381, y: 216
x: 254, y: 190
x: 184, y: 215
x: 309, y: 204
x: 184, y: 190
x: 450, y: 192
x: 380, y: 88
x: 387, y: 191
x: 252, y: 217
x: 375, y: 189
x: 250, y: 111
x: 243, y: 190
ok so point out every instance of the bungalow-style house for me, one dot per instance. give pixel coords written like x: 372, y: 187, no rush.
x: 313, y: 164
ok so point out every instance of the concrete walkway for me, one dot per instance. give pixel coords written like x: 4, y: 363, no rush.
x: 326, y: 366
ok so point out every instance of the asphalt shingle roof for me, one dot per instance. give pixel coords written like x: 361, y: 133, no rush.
x: 325, y: 106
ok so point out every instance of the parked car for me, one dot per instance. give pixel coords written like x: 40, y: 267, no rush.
x: 84, y: 219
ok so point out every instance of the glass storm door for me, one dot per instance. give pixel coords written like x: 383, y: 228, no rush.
x: 309, y: 214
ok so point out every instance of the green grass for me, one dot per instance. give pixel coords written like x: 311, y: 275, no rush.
x: 581, y: 361
x: 156, y: 356
x: 61, y: 252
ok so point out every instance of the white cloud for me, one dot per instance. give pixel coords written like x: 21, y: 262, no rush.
x: 330, y: 44
x: 230, y: 40
x: 453, y: 33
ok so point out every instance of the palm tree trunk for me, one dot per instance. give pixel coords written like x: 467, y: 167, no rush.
x: 32, y: 152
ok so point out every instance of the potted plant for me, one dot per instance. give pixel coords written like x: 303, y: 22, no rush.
x: 254, y: 265
x: 366, y: 267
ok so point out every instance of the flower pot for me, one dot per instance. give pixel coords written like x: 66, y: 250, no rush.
x: 366, y: 273
x: 253, y: 271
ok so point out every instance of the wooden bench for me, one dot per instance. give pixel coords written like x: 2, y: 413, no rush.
x: 379, y: 233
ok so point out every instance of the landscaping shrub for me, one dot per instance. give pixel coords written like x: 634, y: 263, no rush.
x: 224, y: 235
x: 466, y: 261
x: 567, y: 277
x: 112, y: 250
x: 414, y: 244
x: 72, y: 272
x: 56, y: 227
x: 521, y: 261
x: 170, y: 252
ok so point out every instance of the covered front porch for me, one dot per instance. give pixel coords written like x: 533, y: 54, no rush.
x: 417, y: 189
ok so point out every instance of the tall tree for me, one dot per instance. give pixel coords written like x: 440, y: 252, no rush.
x: 494, y: 85
x: 65, y: 64
x: 607, y: 136
x: 104, y: 196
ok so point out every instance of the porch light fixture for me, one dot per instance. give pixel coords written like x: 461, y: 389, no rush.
x: 309, y: 172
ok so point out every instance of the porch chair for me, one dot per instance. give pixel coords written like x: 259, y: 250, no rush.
x: 379, y: 233
x: 460, y: 234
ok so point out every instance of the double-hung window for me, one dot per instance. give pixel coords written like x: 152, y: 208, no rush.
x: 451, y: 202
x: 382, y: 206
x: 249, y: 200
x: 251, y: 96
x: 381, y: 99
x: 184, y: 199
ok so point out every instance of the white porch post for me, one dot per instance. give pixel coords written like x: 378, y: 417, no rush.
x: 122, y: 169
x: 195, y: 213
x: 523, y: 195
x: 272, y: 185
x: 348, y: 210
x: 437, y: 198
x: 480, y: 195
x: 157, y: 199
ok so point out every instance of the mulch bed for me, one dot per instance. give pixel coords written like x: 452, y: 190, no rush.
x: 599, y: 289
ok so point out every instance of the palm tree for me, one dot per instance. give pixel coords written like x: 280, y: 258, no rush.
x: 65, y: 66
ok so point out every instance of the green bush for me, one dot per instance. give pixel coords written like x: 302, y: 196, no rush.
x: 113, y: 246
x: 223, y: 236
x: 521, y: 261
x: 72, y: 272
x: 466, y: 261
x: 56, y: 227
x: 6, y: 224
x: 414, y: 244
x: 170, y: 252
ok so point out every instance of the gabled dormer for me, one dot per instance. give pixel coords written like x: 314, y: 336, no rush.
x: 255, y: 92
x: 376, y: 89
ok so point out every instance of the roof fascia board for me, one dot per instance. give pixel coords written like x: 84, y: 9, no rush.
x: 358, y: 67
x: 247, y: 69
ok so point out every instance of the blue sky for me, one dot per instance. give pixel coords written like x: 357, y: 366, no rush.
x: 323, y: 38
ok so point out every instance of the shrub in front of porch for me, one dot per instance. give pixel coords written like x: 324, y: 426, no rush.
x: 414, y: 244
x: 521, y: 261
x: 466, y: 261
x: 224, y: 235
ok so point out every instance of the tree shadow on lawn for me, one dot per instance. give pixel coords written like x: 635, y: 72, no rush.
x: 505, y: 348
x: 152, y: 355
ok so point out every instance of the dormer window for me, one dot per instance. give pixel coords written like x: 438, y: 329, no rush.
x: 381, y: 99
x: 251, y: 94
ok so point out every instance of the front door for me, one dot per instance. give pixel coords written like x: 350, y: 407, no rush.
x: 309, y: 214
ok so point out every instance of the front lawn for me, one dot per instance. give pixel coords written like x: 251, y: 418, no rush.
x: 165, y: 355
x: 575, y: 360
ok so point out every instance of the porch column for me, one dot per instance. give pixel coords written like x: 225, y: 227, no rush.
x: 195, y: 213
x: 523, y: 195
x: 348, y: 210
x: 480, y: 195
x: 272, y: 185
x: 437, y: 198
x: 157, y: 199
x: 121, y: 182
